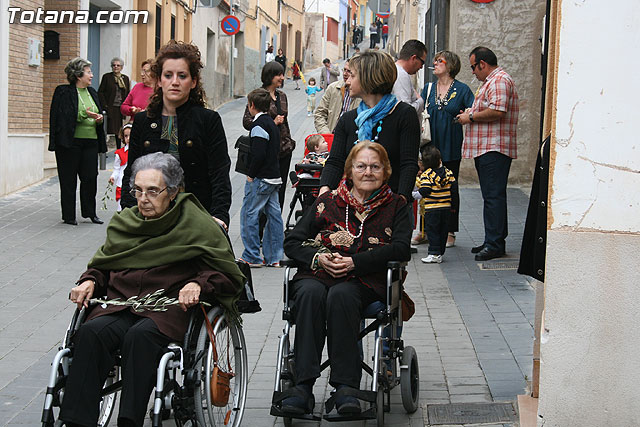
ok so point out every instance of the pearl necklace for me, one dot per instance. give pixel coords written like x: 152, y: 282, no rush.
x: 440, y: 101
x: 84, y: 106
x: 346, y: 222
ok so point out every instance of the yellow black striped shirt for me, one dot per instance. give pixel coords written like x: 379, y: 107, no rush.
x: 435, y: 188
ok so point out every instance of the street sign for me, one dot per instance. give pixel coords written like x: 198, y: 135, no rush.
x: 230, y: 25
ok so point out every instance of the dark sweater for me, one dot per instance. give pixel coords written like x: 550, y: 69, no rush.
x: 264, y: 148
x: 385, y: 237
x: 400, y: 136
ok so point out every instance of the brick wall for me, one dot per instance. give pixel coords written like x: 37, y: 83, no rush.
x: 25, y: 82
x: 69, y: 48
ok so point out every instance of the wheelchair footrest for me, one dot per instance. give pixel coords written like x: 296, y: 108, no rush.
x: 369, y: 414
x: 277, y: 412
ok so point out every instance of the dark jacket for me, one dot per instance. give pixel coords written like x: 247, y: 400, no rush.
x: 107, y: 93
x: 386, y: 236
x: 202, y: 145
x: 287, y: 144
x: 533, y: 252
x: 400, y: 136
x: 63, y: 117
x: 131, y: 282
x: 264, y: 148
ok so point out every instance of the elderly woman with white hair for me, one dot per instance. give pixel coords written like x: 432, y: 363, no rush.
x: 167, y: 245
x: 113, y: 90
x: 76, y: 135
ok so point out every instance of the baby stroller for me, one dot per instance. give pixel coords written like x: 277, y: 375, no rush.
x: 306, y: 180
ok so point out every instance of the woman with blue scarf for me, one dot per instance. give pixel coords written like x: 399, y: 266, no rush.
x: 380, y: 118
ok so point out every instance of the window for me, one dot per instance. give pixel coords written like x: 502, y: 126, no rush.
x: 158, y: 26
x: 332, y: 30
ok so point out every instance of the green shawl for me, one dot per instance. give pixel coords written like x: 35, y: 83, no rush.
x: 184, y: 232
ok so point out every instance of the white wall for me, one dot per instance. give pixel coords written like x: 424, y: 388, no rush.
x: 4, y: 96
x: 590, y: 371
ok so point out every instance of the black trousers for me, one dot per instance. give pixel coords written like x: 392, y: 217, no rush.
x: 436, y: 225
x: 141, y: 346
x: 332, y: 312
x: 493, y: 174
x: 79, y: 160
x: 454, y: 167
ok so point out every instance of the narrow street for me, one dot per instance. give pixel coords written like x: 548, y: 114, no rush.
x: 473, y: 327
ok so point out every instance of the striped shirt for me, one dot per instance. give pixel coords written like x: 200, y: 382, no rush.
x: 498, y: 92
x: 435, y: 188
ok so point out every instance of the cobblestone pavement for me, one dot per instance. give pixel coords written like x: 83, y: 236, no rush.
x: 472, y: 330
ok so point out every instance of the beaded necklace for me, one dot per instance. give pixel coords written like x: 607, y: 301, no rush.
x: 346, y: 223
x: 378, y: 130
x: 444, y: 101
x: 84, y: 106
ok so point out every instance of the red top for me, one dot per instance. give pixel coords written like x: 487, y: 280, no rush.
x: 385, y: 29
x: 138, y: 97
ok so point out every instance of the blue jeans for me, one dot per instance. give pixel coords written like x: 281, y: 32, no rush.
x: 260, y: 196
x: 493, y: 172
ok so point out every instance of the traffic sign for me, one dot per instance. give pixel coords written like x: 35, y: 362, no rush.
x: 230, y: 25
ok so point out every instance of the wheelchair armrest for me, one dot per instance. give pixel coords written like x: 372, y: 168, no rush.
x: 288, y: 262
x: 396, y: 264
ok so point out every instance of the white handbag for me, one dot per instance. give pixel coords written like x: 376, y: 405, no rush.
x: 425, y: 135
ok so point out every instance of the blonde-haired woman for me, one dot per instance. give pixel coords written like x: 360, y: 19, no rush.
x: 380, y: 118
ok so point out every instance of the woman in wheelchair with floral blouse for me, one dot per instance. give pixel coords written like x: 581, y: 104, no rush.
x: 169, y: 246
x: 343, y: 244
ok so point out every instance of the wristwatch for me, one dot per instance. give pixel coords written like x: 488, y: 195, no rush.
x: 471, y: 117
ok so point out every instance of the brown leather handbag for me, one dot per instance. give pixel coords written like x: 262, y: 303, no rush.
x: 220, y: 380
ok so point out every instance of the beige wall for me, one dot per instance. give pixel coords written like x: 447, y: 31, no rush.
x: 511, y: 29
x: 144, y: 34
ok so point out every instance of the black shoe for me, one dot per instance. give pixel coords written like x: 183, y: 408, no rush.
x: 347, y: 405
x: 70, y: 221
x: 302, y: 403
x: 477, y: 249
x: 94, y: 219
x: 487, y: 254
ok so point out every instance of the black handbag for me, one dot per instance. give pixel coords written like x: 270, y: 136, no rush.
x: 242, y: 145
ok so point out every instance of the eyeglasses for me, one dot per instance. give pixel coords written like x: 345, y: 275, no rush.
x: 362, y: 167
x: 421, y: 60
x: 473, y: 66
x: 346, y: 71
x: 116, y: 65
x: 151, y: 193
x: 440, y: 61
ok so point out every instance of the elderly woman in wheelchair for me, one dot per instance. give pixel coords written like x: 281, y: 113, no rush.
x: 342, y: 246
x: 161, y: 258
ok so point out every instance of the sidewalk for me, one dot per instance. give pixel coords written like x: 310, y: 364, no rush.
x: 472, y: 329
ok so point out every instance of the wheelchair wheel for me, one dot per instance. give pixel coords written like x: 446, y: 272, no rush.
x: 108, y: 402
x: 287, y: 371
x: 232, y: 356
x: 410, y: 380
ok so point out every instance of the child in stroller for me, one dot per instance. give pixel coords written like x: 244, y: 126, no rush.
x: 306, y: 177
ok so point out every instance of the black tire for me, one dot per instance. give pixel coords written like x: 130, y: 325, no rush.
x: 410, y: 380
x: 380, y: 406
x: 285, y: 384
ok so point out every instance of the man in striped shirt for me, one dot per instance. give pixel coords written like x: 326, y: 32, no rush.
x: 490, y: 139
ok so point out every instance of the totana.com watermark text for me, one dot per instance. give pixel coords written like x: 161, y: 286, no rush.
x: 41, y: 16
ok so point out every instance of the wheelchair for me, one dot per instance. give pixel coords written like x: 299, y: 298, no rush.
x: 182, y: 382
x: 393, y: 364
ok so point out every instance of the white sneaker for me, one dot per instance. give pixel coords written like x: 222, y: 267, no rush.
x: 432, y: 259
